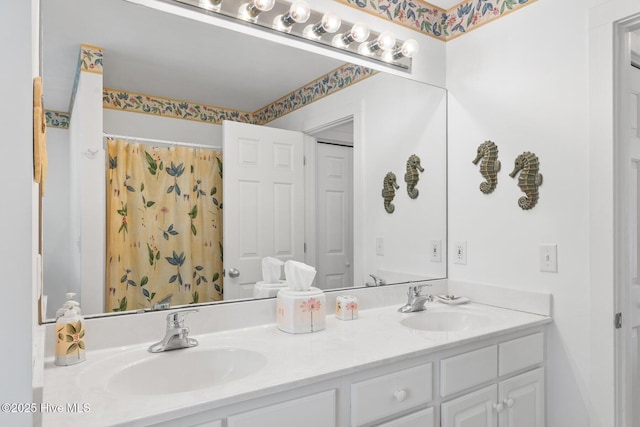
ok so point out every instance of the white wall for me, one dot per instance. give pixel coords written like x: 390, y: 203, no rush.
x: 523, y: 82
x: 164, y: 128
x: 56, y: 227
x: 88, y: 194
x: 16, y: 251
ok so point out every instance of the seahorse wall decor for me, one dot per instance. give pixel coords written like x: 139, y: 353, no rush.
x: 529, y: 180
x: 490, y: 166
x: 411, y: 177
x: 389, y: 187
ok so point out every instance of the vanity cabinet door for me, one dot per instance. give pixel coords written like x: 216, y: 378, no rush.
x: 317, y: 410
x: 472, y: 410
x: 523, y: 400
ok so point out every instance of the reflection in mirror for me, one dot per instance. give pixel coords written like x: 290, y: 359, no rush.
x: 200, y: 84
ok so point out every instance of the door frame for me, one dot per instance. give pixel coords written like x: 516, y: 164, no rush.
x: 354, y: 112
x: 624, y: 399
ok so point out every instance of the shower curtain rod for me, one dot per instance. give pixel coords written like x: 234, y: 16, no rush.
x: 161, y: 142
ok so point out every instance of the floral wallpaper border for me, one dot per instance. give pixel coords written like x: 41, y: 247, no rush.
x: 115, y: 99
x: 91, y: 59
x: 435, y: 21
x: 334, y: 81
x: 57, y: 119
x: 328, y: 84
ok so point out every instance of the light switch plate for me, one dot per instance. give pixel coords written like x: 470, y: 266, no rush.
x: 460, y: 252
x: 435, y: 250
x: 549, y: 258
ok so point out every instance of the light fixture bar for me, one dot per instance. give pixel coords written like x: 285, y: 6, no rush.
x: 326, y: 29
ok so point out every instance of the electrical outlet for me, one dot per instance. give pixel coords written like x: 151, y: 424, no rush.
x: 460, y: 253
x: 379, y: 246
x: 549, y: 258
x: 435, y: 248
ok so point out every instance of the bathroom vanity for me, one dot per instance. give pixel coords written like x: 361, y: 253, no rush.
x: 471, y: 365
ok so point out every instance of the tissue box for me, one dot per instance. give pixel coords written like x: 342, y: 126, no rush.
x: 301, y: 312
x: 346, y: 307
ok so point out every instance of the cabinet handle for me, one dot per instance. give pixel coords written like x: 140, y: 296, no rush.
x: 509, y: 402
x: 498, y: 407
x: 400, y: 395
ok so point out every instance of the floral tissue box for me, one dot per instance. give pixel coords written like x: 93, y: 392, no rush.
x: 301, y: 312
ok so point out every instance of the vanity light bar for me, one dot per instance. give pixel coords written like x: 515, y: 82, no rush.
x: 298, y: 19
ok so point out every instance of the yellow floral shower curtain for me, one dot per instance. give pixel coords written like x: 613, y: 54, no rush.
x: 164, y: 225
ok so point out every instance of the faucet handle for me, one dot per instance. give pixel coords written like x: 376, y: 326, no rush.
x: 176, y: 318
x: 377, y: 280
x: 416, y: 290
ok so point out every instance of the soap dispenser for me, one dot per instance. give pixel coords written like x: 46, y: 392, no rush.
x: 70, y: 348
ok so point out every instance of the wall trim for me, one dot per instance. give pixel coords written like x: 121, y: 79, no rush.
x: 436, y: 22
x: 325, y: 85
x: 57, y: 119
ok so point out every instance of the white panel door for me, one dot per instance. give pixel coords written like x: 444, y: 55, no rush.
x: 472, y: 410
x: 334, y: 216
x: 523, y: 400
x: 634, y: 150
x: 263, y: 191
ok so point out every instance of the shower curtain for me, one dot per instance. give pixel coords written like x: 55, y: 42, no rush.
x: 164, y: 225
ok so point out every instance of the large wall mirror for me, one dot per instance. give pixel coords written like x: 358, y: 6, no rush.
x: 339, y: 128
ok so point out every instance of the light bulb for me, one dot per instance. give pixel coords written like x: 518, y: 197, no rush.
x: 213, y: 5
x: 250, y: 11
x: 358, y: 33
x: 263, y: 5
x: 386, y: 40
x: 330, y: 23
x: 299, y: 12
x: 409, y: 48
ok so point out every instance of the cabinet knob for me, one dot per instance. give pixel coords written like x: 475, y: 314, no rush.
x: 498, y: 407
x: 400, y: 395
x: 509, y: 402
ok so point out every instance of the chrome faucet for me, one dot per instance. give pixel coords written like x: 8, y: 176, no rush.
x: 176, y: 336
x: 416, y: 300
x: 377, y: 281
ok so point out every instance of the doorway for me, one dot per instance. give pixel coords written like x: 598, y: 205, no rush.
x: 627, y: 158
x: 334, y: 234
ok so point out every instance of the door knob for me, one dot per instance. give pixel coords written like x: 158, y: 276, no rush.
x: 509, y: 402
x: 498, y: 407
x: 233, y: 273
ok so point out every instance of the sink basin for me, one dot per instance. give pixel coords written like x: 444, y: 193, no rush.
x: 185, y: 370
x: 446, y: 321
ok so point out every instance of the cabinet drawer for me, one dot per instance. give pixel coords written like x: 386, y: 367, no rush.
x: 389, y: 394
x: 520, y: 353
x: 424, y: 418
x: 317, y: 410
x: 468, y: 369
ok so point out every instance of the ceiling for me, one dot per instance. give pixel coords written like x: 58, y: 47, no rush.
x: 151, y: 52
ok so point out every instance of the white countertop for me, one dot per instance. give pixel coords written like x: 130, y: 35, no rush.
x: 344, y: 347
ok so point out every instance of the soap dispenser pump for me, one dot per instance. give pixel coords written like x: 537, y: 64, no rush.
x: 69, y: 304
x: 70, y: 347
